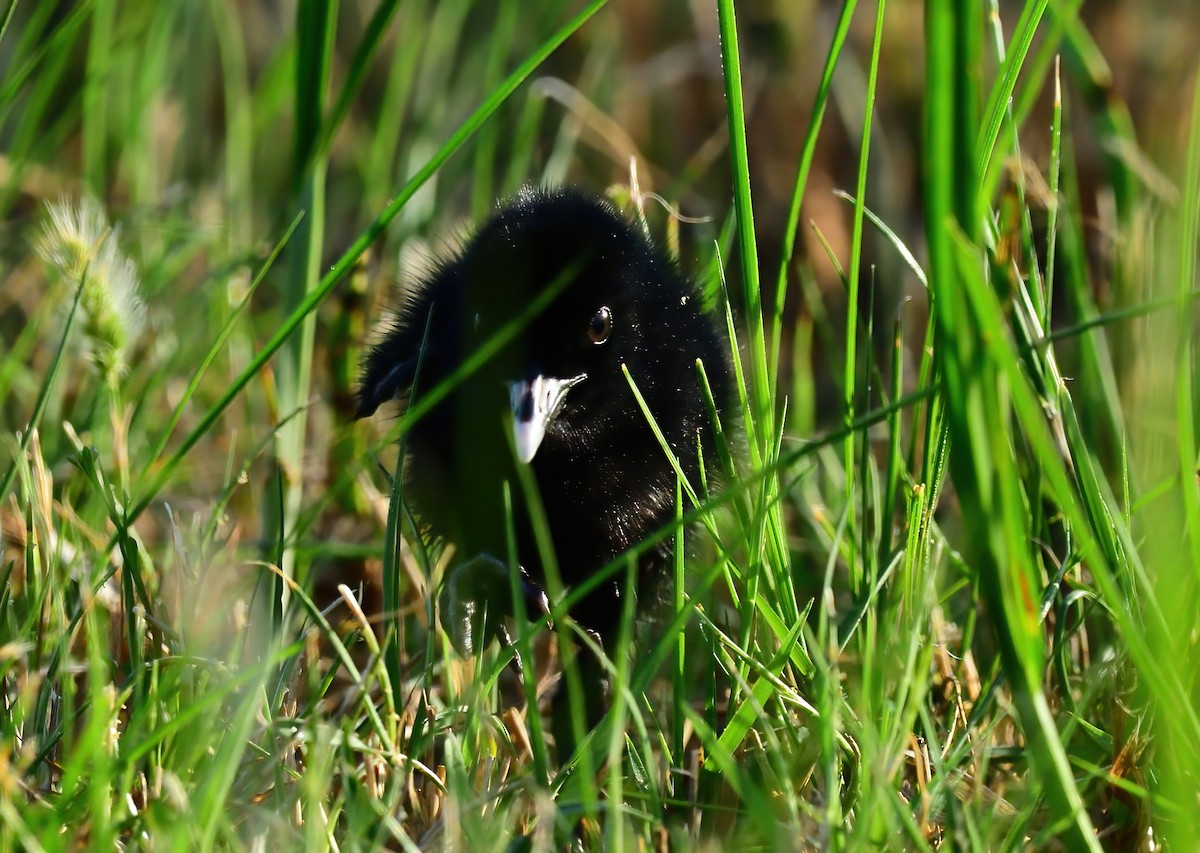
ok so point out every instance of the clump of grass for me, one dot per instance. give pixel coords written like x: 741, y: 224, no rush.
x: 960, y: 617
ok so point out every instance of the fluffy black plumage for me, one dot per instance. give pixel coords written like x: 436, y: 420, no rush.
x: 601, y: 296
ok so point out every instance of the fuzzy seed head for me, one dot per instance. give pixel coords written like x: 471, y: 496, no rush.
x: 83, y: 248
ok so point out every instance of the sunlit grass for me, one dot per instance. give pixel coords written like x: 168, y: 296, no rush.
x: 956, y: 609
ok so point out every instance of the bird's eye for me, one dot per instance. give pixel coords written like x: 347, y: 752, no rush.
x: 601, y: 326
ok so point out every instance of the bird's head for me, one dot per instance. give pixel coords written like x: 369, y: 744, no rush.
x: 561, y: 290
x: 572, y: 275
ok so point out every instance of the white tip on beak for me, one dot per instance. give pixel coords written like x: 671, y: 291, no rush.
x: 535, y: 403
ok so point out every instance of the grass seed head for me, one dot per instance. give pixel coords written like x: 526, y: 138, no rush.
x: 84, y: 249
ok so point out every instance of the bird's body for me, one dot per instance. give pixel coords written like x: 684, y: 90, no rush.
x: 575, y: 291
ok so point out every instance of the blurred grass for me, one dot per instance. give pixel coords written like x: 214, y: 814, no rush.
x: 948, y: 598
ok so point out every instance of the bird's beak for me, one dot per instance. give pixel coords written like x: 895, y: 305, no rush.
x: 536, y: 402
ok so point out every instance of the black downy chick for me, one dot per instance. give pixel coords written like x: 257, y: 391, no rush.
x: 593, y: 294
